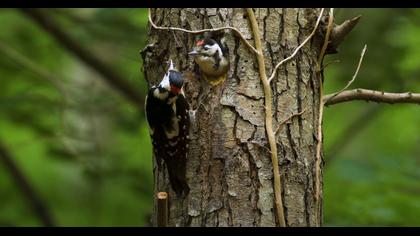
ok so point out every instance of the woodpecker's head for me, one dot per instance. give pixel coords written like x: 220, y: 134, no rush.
x: 206, y: 48
x: 171, y: 84
x: 211, y: 56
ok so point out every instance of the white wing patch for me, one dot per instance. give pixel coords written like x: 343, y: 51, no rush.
x: 175, y: 131
x: 175, y: 121
x: 159, y: 95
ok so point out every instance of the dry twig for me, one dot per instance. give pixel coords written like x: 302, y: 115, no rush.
x: 268, y: 118
x: 320, y: 113
x: 354, y: 75
x: 203, y: 31
x: 329, y: 63
x: 273, y: 74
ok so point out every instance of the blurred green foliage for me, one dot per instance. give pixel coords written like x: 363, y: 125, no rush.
x: 373, y: 177
x: 86, y: 150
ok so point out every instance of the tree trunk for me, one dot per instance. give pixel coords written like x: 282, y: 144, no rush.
x: 229, y: 169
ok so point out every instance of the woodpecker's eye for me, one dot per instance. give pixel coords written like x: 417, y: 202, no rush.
x: 206, y: 47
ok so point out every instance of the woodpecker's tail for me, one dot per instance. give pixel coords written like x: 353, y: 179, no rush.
x: 177, y: 176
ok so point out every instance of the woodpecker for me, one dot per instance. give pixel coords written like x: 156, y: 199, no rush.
x: 168, y: 119
x: 212, y: 58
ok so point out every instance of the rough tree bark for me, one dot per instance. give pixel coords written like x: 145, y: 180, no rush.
x: 229, y: 168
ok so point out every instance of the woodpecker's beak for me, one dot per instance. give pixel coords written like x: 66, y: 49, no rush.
x: 193, y: 53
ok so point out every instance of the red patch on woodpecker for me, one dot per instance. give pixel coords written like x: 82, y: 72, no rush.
x: 175, y: 90
x: 200, y: 42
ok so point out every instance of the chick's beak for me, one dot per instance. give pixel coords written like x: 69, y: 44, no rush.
x: 193, y: 53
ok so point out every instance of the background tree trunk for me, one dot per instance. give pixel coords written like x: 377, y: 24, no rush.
x: 229, y: 169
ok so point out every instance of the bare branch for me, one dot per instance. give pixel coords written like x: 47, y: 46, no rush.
x: 372, y: 95
x: 39, y: 207
x: 354, y: 75
x: 339, y: 33
x: 237, y: 32
x: 109, y: 75
x: 273, y: 74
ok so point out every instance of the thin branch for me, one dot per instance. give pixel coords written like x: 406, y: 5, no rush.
x: 273, y: 74
x: 373, y: 96
x: 268, y: 119
x: 287, y: 119
x: 329, y: 63
x: 354, y: 75
x: 321, y: 114
x: 45, y: 21
x: 238, y: 33
x: 38, y: 205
